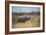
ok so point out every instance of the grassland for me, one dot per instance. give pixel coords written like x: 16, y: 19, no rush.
x: 35, y: 22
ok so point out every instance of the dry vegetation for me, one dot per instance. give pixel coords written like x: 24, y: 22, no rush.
x: 35, y: 22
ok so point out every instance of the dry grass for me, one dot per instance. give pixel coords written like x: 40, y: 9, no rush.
x: 31, y: 23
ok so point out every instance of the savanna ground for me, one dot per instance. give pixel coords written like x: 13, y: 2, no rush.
x: 35, y: 22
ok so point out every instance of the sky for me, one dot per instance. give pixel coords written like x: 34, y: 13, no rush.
x: 19, y: 9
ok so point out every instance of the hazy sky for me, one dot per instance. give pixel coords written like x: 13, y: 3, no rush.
x: 25, y: 9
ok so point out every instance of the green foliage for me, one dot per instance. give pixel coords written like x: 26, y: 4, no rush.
x: 21, y: 21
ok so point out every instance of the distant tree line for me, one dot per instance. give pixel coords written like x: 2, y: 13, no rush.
x: 34, y: 13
